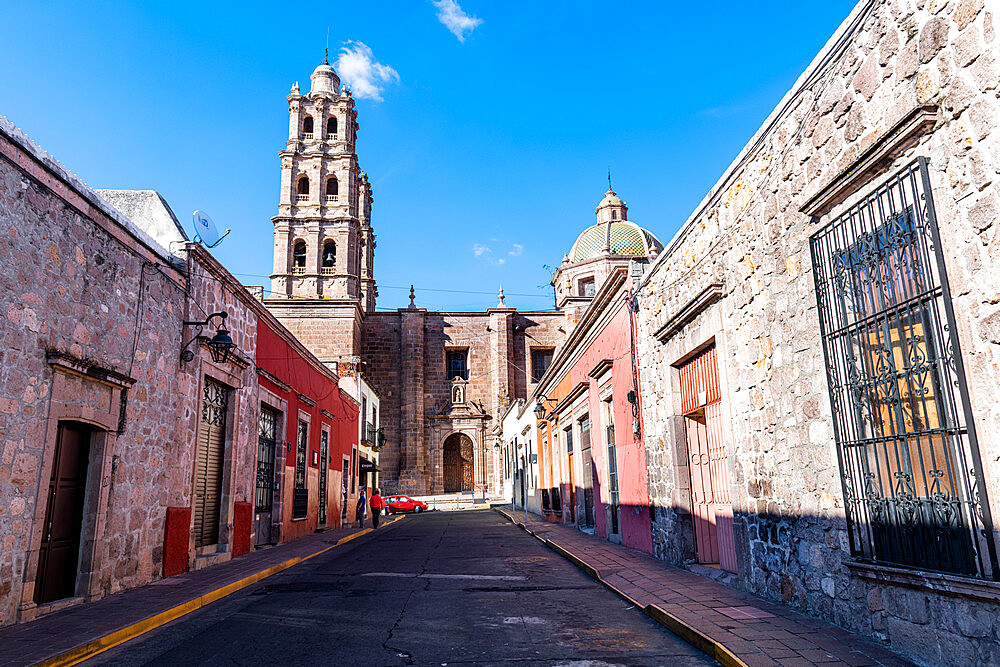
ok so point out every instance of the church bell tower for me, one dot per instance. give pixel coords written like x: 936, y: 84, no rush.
x: 324, y: 246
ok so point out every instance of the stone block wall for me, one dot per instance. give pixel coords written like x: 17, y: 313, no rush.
x: 81, y: 297
x: 405, y: 355
x: 890, y: 60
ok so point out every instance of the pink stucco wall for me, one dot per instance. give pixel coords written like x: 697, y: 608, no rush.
x: 614, y: 343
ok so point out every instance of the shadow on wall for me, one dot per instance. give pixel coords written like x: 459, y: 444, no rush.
x: 806, y: 561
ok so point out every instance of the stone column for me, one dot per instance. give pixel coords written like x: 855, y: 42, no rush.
x: 282, y: 243
x: 412, y: 450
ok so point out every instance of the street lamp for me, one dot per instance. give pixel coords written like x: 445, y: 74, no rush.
x: 540, y: 407
x: 219, y: 346
x: 380, y: 438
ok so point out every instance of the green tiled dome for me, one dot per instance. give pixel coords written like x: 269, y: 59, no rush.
x: 627, y: 238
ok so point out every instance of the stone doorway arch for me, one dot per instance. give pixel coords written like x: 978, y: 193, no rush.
x: 459, y: 470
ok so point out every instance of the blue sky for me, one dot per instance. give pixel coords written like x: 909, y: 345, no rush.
x: 493, y: 131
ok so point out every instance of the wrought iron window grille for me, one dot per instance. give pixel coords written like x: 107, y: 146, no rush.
x: 300, y: 495
x: 911, y: 471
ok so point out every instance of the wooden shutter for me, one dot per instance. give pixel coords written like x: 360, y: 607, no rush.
x: 211, y: 455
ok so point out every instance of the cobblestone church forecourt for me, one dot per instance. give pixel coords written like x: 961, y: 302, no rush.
x: 830, y: 310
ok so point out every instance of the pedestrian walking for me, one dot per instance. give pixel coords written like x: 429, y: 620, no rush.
x: 377, y: 506
x: 362, y: 507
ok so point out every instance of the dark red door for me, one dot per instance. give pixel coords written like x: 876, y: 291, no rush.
x: 59, y: 555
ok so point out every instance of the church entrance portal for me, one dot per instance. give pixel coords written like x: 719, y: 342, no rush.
x: 458, y: 469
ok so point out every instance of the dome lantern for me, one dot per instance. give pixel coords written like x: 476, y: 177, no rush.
x: 325, y: 80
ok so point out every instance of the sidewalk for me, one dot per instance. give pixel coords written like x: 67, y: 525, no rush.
x: 734, y: 627
x: 71, y: 635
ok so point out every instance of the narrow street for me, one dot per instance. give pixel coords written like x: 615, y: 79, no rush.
x: 434, y: 589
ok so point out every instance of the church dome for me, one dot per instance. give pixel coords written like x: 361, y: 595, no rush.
x: 626, y: 238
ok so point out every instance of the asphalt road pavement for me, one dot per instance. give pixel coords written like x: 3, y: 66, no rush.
x: 441, y: 588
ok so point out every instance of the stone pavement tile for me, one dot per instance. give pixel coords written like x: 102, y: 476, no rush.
x: 855, y: 659
x: 756, y: 659
x: 781, y: 653
x: 817, y: 655
x: 799, y: 644
x: 796, y: 661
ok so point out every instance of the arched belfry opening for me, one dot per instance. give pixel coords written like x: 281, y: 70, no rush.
x: 459, y: 469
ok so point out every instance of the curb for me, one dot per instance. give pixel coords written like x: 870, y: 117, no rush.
x: 86, y: 651
x: 688, y: 633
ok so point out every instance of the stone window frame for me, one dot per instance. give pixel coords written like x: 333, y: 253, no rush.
x: 298, y: 185
x: 532, y: 350
x: 322, y: 258
x: 331, y: 178
x: 96, y: 496
x: 305, y: 256
x: 455, y: 349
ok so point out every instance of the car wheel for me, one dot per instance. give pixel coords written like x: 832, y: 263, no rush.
x: 416, y: 510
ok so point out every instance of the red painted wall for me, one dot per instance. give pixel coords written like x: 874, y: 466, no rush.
x: 242, y: 522
x: 175, y: 541
x: 614, y: 343
x: 283, y: 360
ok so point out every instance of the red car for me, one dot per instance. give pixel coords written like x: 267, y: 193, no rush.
x: 395, y: 504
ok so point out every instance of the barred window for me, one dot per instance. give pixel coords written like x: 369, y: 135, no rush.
x: 540, y: 361
x: 457, y: 364
x: 906, y: 443
x: 300, y: 497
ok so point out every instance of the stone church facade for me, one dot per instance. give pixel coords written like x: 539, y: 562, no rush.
x: 444, y: 377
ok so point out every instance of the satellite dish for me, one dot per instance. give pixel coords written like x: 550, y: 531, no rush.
x: 205, y: 231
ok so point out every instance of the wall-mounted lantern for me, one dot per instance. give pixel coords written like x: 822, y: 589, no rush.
x: 221, y: 343
x: 540, y: 407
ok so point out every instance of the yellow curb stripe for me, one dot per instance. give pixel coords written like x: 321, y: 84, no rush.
x: 693, y: 636
x: 86, y: 651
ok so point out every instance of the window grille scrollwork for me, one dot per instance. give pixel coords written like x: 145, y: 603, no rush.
x: 906, y: 442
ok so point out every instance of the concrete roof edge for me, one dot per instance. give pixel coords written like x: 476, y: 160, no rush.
x: 19, y: 137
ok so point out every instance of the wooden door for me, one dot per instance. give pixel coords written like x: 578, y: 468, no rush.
x: 211, y: 450
x: 702, y: 498
x: 572, y: 490
x: 468, y: 475
x: 722, y: 506
x: 59, y: 554
x: 587, y: 471
x: 708, y: 461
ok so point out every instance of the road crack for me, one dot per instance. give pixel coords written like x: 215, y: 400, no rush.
x: 401, y: 652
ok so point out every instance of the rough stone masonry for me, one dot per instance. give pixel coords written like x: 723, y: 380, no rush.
x: 891, y: 62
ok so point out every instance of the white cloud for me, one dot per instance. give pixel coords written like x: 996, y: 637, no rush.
x: 457, y: 21
x: 486, y: 254
x: 364, y: 75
